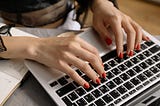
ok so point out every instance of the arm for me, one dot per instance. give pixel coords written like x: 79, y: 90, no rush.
x: 59, y: 53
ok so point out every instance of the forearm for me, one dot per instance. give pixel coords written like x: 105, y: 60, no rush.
x: 17, y: 47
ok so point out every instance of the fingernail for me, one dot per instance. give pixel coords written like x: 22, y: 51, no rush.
x: 86, y: 86
x: 120, y: 55
x: 108, y: 41
x: 98, y: 81
x: 104, y: 75
x: 147, y: 38
x: 138, y: 46
x: 131, y: 53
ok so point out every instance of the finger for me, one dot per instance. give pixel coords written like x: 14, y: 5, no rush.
x: 116, y: 27
x: 89, y: 48
x: 131, y: 36
x: 83, y: 66
x: 139, y: 34
x: 144, y: 37
x: 91, y: 58
x: 74, y: 75
x: 103, y: 32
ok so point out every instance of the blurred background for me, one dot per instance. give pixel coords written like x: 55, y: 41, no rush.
x: 144, y: 12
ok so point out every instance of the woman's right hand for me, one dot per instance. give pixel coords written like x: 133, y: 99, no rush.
x: 62, y: 52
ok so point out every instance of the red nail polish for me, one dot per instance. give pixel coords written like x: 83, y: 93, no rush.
x: 138, y: 46
x: 108, y: 41
x: 120, y: 55
x: 86, y: 86
x: 147, y: 38
x: 98, y: 81
x: 104, y: 75
x: 131, y: 53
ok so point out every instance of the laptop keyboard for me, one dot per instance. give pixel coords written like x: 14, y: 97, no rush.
x: 124, y: 78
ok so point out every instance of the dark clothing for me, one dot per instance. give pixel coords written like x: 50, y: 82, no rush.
x: 19, y: 6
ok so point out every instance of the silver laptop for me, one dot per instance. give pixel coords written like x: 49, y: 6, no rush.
x: 130, y: 81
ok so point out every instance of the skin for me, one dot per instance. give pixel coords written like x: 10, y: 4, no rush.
x: 62, y: 52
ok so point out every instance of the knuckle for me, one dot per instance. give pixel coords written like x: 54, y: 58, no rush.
x: 71, y: 45
x: 92, y: 59
x: 131, y: 32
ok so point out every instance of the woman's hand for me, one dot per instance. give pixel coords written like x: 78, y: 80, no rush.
x: 62, y: 52
x: 106, y: 16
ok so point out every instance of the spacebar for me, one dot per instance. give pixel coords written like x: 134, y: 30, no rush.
x: 64, y: 90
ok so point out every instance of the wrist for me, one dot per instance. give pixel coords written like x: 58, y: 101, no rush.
x: 17, y: 47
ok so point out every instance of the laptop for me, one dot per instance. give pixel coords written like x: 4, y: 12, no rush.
x: 132, y: 81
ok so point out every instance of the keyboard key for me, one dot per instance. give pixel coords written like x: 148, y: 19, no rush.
x: 96, y: 93
x: 124, y: 76
x: 132, y: 91
x: 110, y: 84
x: 149, y: 43
x: 158, y: 65
x: 117, y: 80
x: 122, y: 67
x: 86, y: 78
x: 114, y: 94
x: 103, y: 89
x: 115, y: 71
x: 65, y: 89
x: 92, y: 104
x: 100, y: 102
x: 142, y: 77
x: 154, y: 69
x: 104, y: 80
x: 122, y: 89
x: 155, y: 58
x: 139, y: 87
x: 143, y: 46
x: 152, y: 79
x: 112, y: 63
x: 143, y: 65
x: 125, y: 96
x: 80, y: 91
x: 106, y: 67
x: 118, y: 60
x: 89, y: 89
x: 79, y: 72
x: 67, y: 101
x: 110, y: 75
x: 62, y: 81
x: 128, y: 64
x: 135, y: 81
x: 135, y: 60
x: 137, y: 69
x: 109, y: 55
x: 89, y: 98
x: 147, y: 53
x: 128, y: 85
x: 148, y: 73
x: 155, y: 49
x: 94, y: 84
x: 118, y: 100
x: 149, y: 61
x: 125, y: 56
x: 53, y: 84
x: 111, y: 104
x: 73, y: 96
x: 141, y: 57
x: 76, y: 84
x: 131, y: 73
x: 107, y: 98
x: 81, y: 102
x: 146, y: 83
